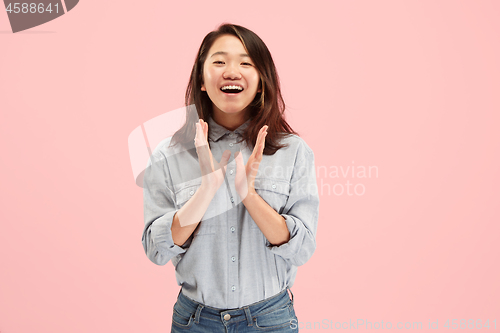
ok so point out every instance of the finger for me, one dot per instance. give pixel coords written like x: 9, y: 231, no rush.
x: 262, y: 144
x: 257, y: 143
x: 204, y: 127
x: 206, y: 130
x: 262, y: 132
x: 203, y: 151
x: 199, y: 134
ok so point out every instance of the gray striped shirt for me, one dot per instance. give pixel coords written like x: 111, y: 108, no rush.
x: 227, y: 262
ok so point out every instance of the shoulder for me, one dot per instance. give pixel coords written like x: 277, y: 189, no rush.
x: 166, y: 148
x: 162, y: 151
x: 297, y: 146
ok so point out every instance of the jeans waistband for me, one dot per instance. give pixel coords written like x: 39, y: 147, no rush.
x: 235, y: 315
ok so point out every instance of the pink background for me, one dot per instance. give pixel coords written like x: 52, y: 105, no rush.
x: 410, y: 87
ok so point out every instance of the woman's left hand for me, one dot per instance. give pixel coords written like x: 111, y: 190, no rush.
x: 245, y: 174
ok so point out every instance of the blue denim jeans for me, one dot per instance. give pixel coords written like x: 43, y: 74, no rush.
x: 273, y: 314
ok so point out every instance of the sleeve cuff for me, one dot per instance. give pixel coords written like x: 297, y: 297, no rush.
x: 161, y: 235
x: 285, y: 250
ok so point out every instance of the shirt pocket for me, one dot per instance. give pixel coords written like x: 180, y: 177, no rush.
x: 183, y: 193
x: 274, y: 191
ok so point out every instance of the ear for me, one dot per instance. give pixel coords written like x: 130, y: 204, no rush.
x: 203, y: 88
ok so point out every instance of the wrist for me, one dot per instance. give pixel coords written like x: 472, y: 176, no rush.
x: 251, y: 194
x: 207, y: 190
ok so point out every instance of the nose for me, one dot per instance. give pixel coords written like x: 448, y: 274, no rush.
x: 232, y: 71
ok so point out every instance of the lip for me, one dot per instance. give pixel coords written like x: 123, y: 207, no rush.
x: 230, y: 94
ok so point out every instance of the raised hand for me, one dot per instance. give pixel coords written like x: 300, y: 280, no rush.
x: 212, y: 172
x: 245, y: 174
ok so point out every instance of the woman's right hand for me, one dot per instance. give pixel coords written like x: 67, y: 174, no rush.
x: 212, y: 172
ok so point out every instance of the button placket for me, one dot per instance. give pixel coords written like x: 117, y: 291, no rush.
x: 232, y: 246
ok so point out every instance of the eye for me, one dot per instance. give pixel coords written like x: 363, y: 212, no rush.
x: 218, y: 62
x: 247, y: 63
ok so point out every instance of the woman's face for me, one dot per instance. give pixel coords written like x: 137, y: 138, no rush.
x: 227, y: 65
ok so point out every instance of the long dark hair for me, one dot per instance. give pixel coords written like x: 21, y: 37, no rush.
x: 268, y: 106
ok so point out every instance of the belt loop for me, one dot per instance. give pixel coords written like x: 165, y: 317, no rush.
x: 197, y: 315
x: 291, y: 293
x: 249, y: 315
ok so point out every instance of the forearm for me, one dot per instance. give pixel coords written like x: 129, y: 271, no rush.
x: 189, y: 216
x: 272, y: 224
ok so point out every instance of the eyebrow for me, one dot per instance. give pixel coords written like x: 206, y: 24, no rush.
x: 225, y: 53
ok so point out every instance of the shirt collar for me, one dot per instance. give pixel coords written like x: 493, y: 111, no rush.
x: 217, y: 131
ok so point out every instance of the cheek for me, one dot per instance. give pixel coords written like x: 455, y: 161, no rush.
x: 256, y: 79
x: 210, y: 79
x: 211, y: 71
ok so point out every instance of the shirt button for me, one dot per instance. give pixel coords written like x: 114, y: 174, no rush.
x: 231, y: 172
x: 274, y: 186
x: 233, y: 258
x: 231, y: 134
x: 233, y: 229
x: 232, y: 200
x: 230, y: 144
x: 227, y: 316
x: 233, y: 288
x: 191, y: 193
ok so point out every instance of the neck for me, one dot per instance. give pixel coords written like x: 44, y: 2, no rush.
x: 230, y: 121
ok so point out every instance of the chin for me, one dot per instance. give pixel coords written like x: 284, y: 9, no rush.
x: 231, y: 109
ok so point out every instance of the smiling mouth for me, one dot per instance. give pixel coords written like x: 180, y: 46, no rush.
x: 231, y: 91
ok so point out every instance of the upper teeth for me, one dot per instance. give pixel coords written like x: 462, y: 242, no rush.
x: 232, y: 87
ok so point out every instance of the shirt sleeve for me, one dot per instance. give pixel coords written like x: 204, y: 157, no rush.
x: 300, y: 212
x: 159, y: 210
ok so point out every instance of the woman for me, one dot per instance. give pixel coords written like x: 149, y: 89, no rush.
x: 235, y: 230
